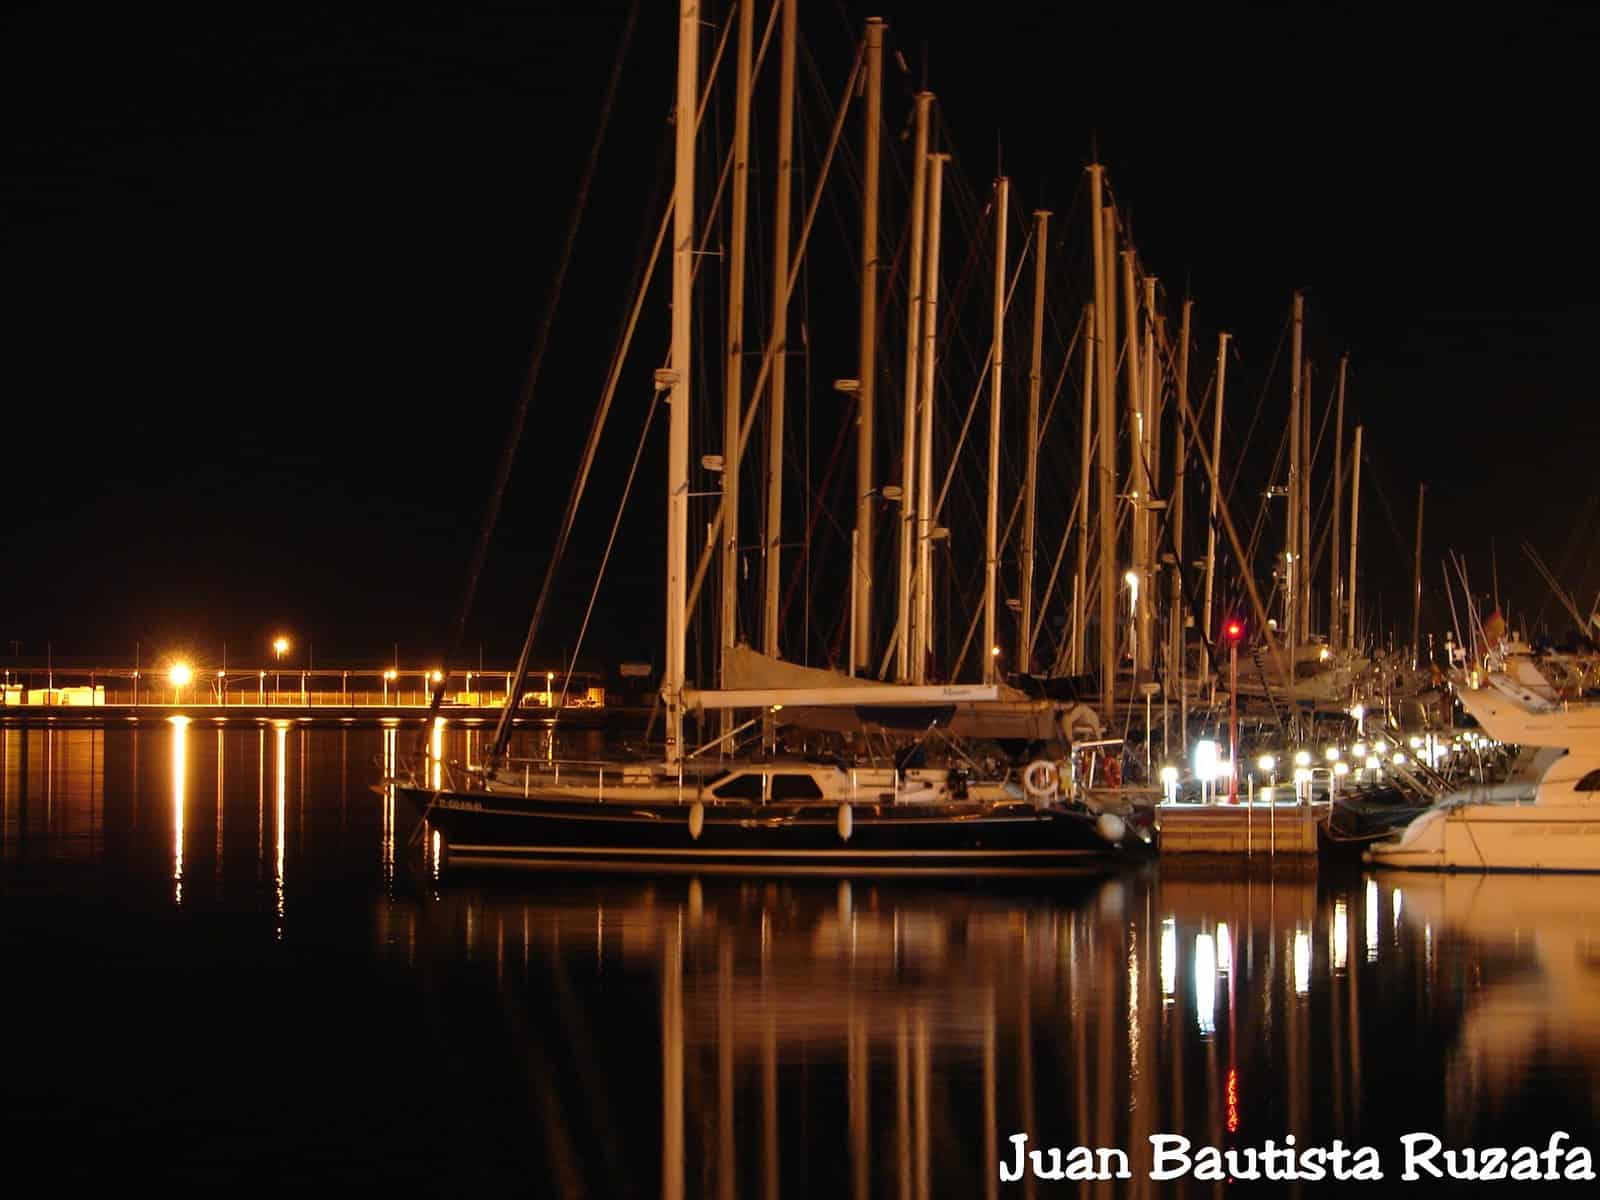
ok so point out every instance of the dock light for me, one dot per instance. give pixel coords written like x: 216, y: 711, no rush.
x: 994, y: 651
x: 438, y: 676
x: 1374, y: 762
x: 1331, y: 754
x: 1379, y: 746
x: 180, y: 675
x: 1358, y: 711
x: 1399, y: 760
x: 1266, y: 763
x: 1414, y: 742
x: 1359, y: 749
x: 1205, y: 760
x: 1324, y: 654
x: 1169, y: 783
x: 391, y: 674
x: 1302, y: 758
x: 1341, y: 769
x: 280, y: 646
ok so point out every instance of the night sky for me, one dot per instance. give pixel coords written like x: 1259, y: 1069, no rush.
x: 272, y: 275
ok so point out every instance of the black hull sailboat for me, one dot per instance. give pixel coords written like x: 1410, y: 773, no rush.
x: 1004, y: 837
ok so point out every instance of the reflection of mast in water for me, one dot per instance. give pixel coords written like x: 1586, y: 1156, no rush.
x: 180, y: 775
x: 221, y: 769
x: 386, y: 845
x: 672, y: 1066
x: 261, y: 803
x: 280, y: 731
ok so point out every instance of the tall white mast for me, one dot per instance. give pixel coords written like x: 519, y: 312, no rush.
x: 1355, y: 524
x: 922, y: 644
x: 1416, y: 587
x: 780, y: 328
x: 1150, y: 465
x: 991, y: 542
x: 1291, y: 551
x: 1175, y: 607
x: 678, y: 374
x: 1080, y: 581
x: 1030, y: 469
x: 1216, y: 458
x: 867, y: 370
x: 1108, y: 457
x: 1138, y: 484
x: 733, y: 390
x: 1302, y: 620
x: 1335, y: 550
x: 908, y: 445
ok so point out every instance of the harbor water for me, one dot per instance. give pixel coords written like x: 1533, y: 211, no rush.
x: 230, y: 961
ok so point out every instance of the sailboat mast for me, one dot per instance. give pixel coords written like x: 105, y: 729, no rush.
x: 1030, y: 469
x: 867, y: 369
x: 1216, y: 500
x: 1176, y: 671
x: 1138, y: 484
x: 733, y: 390
x: 1150, y: 465
x: 678, y: 373
x: 1085, y: 443
x: 908, y: 445
x: 1416, y: 586
x: 1335, y: 550
x: 1291, y: 549
x: 923, y: 643
x: 1108, y: 457
x: 1307, y: 463
x: 780, y: 328
x: 1355, y: 524
x: 991, y: 541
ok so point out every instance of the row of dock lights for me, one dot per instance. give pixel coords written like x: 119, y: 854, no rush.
x: 1372, y: 757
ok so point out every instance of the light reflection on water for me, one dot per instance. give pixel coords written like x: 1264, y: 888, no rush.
x: 687, y: 1038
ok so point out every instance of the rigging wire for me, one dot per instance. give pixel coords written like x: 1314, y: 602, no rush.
x: 508, y: 455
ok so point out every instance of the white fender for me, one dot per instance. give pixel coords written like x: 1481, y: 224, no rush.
x: 1039, y: 780
x: 847, y: 822
x: 1111, y: 827
x: 697, y: 820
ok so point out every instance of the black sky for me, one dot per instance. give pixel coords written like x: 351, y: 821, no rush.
x: 272, y: 275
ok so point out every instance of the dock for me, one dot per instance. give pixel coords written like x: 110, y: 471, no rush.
x: 1240, y: 830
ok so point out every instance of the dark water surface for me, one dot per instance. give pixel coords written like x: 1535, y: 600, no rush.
x: 222, y: 968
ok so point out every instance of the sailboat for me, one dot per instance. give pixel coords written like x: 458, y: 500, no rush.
x: 777, y: 812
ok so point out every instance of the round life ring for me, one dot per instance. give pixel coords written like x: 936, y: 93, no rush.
x: 1040, y: 780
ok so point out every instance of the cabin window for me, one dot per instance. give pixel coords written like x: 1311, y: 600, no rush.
x: 740, y: 787
x: 795, y: 787
x: 1589, y: 783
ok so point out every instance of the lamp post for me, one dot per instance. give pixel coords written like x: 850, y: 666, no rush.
x: 1233, y: 631
x: 280, y: 647
x: 179, y: 677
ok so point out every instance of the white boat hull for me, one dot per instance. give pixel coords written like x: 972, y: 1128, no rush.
x: 1498, y: 837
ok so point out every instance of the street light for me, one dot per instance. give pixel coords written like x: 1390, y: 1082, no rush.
x: 179, y: 676
x: 389, y: 677
x: 280, y: 647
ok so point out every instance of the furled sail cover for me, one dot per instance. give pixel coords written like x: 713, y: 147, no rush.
x: 1014, y: 716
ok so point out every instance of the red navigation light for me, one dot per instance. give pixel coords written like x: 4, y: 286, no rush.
x: 1233, y: 630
